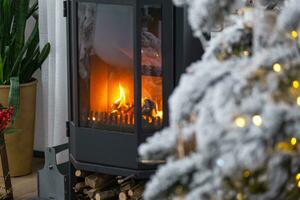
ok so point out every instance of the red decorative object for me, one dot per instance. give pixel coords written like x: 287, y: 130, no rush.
x: 5, y: 119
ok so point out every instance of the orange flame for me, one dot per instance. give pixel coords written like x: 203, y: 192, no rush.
x: 120, y: 105
x: 122, y: 99
x: 159, y: 113
x: 155, y: 112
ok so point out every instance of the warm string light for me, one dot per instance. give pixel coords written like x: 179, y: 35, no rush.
x: 297, y: 177
x: 257, y: 120
x: 288, y: 146
x: 296, y: 84
x: 294, y: 34
x: 240, y: 122
x: 180, y: 192
x: 246, y: 174
x: 298, y: 101
x: 277, y: 67
x: 240, y: 196
x: 246, y: 53
x: 294, y: 141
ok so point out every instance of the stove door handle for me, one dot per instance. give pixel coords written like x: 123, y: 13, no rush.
x: 151, y: 162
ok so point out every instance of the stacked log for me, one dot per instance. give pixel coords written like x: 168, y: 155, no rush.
x: 105, y: 187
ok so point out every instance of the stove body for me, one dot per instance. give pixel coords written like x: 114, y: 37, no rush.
x: 124, y: 59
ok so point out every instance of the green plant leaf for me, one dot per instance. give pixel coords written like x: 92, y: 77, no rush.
x: 21, y: 7
x: 33, y: 43
x: 44, y: 54
x: 16, y: 66
x: 34, y: 63
x: 14, y: 95
x: 1, y: 70
x: 11, y: 130
x: 33, y: 9
x: 8, y: 60
x: 7, y: 19
x: 29, y: 68
x: 20, y: 57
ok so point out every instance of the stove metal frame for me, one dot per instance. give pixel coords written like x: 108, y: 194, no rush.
x: 114, y: 152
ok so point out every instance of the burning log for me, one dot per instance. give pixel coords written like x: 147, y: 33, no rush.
x: 150, y: 112
x: 120, y: 105
x: 118, y: 109
x: 148, y: 108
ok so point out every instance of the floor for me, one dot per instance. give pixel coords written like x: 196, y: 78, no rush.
x: 26, y: 187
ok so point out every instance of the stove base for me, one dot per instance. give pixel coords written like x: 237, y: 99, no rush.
x: 116, y: 171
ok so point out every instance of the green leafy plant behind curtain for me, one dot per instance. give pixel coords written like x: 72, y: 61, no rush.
x: 19, y: 57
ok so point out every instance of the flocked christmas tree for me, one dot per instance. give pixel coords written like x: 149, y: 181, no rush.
x: 235, y: 116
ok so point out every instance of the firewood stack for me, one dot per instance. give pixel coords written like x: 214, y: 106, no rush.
x: 105, y: 187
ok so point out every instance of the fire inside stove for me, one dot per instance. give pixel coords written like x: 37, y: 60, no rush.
x: 112, y: 98
x: 106, y: 68
x: 122, y: 107
x: 122, y: 110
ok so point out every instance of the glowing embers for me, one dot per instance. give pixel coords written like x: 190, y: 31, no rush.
x: 111, y: 120
x: 151, y: 115
x: 119, y: 113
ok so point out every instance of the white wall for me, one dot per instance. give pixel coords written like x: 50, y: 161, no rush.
x: 52, y: 89
x: 51, y: 110
x: 39, y: 142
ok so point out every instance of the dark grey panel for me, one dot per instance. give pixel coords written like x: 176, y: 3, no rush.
x: 103, y: 147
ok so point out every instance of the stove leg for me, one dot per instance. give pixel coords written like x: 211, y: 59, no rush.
x: 72, y: 182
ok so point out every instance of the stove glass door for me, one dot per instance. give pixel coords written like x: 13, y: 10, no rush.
x: 152, y: 72
x: 106, y: 67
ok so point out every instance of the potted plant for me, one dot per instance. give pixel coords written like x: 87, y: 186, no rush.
x: 20, y: 57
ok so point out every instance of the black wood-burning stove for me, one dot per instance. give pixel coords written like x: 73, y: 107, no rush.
x: 125, y: 57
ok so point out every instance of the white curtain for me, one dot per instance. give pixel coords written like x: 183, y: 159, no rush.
x: 52, y: 89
